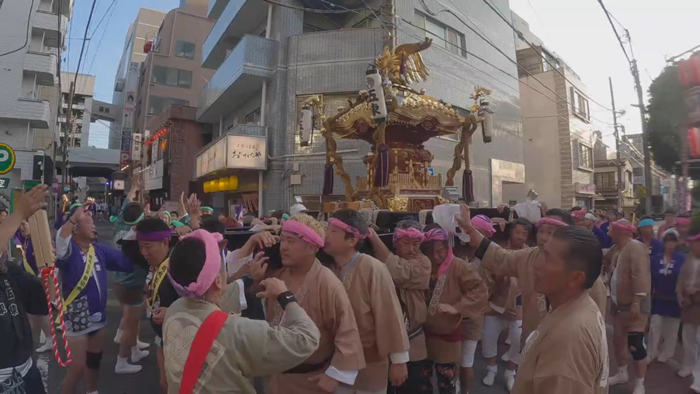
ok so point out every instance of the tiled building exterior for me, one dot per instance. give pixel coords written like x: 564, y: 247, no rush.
x: 306, y: 54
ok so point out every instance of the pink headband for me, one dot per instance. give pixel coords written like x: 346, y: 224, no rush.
x: 484, y: 223
x: 694, y: 238
x: 624, y: 227
x: 306, y: 233
x: 436, y: 234
x: 682, y: 221
x: 579, y: 214
x: 210, y: 270
x: 551, y: 221
x: 411, y: 232
x: 348, y: 228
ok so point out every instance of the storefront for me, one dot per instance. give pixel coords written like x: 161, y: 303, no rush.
x: 585, y: 195
x: 231, y: 170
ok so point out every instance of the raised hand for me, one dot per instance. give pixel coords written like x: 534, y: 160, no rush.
x: 32, y: 201
x: 464, y: 217
x: 273, y: 287
x: 80, y: 213
x: 194, y: 206
x: 258, y: 267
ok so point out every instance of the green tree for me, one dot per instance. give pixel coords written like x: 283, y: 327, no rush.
x: 667, y: 111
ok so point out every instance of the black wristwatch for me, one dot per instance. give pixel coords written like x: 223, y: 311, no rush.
x: 286, y: 298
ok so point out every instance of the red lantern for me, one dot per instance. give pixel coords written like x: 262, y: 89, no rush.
x: 689, y: 71
x: 694, y: 141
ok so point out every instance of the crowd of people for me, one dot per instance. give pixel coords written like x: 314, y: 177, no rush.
x: 325, y: 306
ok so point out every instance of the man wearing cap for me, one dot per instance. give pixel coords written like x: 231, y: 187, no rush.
x: 318, y: 290
x: 518, y: 264
x: 587, y: 220
x: 646, y: 236
x: 374, y: 302
x: 630, y: 287
x: 670, y: 222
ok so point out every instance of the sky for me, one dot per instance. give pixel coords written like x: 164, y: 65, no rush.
x: 576, y: 30
x: 103, y: 51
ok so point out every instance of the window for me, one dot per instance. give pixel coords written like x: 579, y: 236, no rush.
x: 638, y: 171
x: 585, y: 156
x: 579, y: 105
x: 157, y: 104
x: 253, y: 117
x: 442, y: 35
x: 171, y: 77
x: 184, y: 49
x: 605, y: 180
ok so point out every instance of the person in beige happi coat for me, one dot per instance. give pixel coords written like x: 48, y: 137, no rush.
x: 630, y: 289
x: 410, y: 270
x: 567, y: 352
x: 374, y: 301
x: 688, y: 292
x: 238, y: 348
x: 456, y: 294
x: 318, y: 290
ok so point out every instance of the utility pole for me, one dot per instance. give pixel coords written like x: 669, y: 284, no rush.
x: 617, y: 148
x: 64, y: 144
x: 645, y: 135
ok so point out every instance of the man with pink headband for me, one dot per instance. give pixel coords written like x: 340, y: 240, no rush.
x: 630, y: 288
x: 209, y: 350
x: 456, y: 301
x: 318, y: 290
x: 374, y: 302
x: 410, y: 270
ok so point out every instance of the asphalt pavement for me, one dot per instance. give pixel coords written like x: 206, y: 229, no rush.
x: 661, y: 378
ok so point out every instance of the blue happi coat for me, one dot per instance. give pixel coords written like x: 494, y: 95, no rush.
x: 655, y: 247
x: 71, y: 270
x: 28, y: 250
x: 664, y: 276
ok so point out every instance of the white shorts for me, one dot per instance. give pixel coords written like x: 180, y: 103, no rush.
x: 468, y: 350
x: 493, y: 326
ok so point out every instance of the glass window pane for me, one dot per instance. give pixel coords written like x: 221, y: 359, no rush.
x: 185, y: 79
x: 158, y: 75
x: 185, y: 49
x: 419, y: 20
x: 171, y: 76
x: 437, y: 33
x: 453, y: 42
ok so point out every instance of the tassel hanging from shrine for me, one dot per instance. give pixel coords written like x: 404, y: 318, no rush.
x: 467, y: 186
x: 328, y: 180
x: 381, y: 173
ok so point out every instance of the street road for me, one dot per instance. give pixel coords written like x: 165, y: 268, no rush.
x: 661, y: 379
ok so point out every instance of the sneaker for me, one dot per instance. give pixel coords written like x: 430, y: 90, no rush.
x: 142, y: 345
x: 123, y: 367
x: 685, y: 372
x: 45, y: 347
x: 490, y: 376
x: 619, y: 378
x: 638, y: 388
x: 509, y: 376
x: 695, y: 387
x: 138, y: 354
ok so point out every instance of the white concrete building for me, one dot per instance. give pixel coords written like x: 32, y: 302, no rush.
x: 31, y: 37
x: 83, y: 92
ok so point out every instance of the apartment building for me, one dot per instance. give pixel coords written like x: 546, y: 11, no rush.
x: 559, y: 132
x: 137, y: 43
x: 77, y: 133
x: 269, y: 59
x: 31, y: 37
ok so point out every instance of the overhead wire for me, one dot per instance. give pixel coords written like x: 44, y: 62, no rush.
x: 104, y: 31
x: 29, y: 29
x: 617, y: 35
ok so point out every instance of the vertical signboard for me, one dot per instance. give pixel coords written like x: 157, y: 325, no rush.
x: 132, y: 80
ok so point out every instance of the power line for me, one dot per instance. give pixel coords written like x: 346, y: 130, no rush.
x: 522, y: 37
x: 617, y: 35
x: 80, y: 58
x: 29, y: 27
x: 104, y: 31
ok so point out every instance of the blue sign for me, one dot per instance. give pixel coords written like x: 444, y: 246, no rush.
x: 664, y: 189
x: 126, y: 140
x: 431, y: 171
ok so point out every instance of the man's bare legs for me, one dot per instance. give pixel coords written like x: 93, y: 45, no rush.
x: 78, y: 347
x: 161, y: 367
x: 95, y: 346
x: 127, y: 347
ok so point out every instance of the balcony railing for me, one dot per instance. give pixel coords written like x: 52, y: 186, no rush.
x: 48, y: 22
x: 247, y: 129
x: 36, y: 112
x: 44, y: 65
x: 240, y: 75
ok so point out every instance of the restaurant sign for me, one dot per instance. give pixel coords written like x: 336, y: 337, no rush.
x: 240, y: 152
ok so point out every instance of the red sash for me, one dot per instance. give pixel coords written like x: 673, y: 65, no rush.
x: 454, y: 336
x: 203, y: 341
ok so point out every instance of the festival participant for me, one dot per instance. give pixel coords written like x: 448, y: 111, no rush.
x: 174, y: 215
x: 611, y: 217
x: 207, y: 211
x: 128, y: 288
x: 683, y: 228
x: 211, y: 351
x: 374, y: 302
x: 21, y: 294
x: 630, y: 288
x: 688, y: 291
x: 456, y: 293
x: 410, y: 270
x: 519, y: 264
x: 669, y: 222
x: 587, y: 220
x: 323, y: 297
x: 504, y: 311
x: 665, y: 311
x: 518, y: 234
x: 646, y: 236
x: 3, y: 215
x: 82, y: 265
